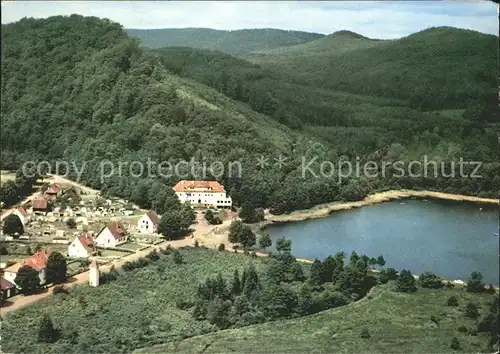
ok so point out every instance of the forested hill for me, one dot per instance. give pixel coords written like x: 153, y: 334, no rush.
x: 80, y: 89
x: 235, y: 42
x: 441, y: 67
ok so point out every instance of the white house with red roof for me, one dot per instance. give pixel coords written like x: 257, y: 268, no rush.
x: 82, y: 246
x: 203, y: 194
x: 22, y: 214
x: 38, y: 261
x: 112, y: 235
x: 148, y: 223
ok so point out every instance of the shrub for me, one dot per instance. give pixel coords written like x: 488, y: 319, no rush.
x: 429, y: 280
x: 71, y: 223
x: 472, y: 310
x: 434, y: 319
x: 405, y: 282
x: 365, y: 333
x: 153, y: 255
x: 455, y: 344
x: 60, y: 289
x: 452, y: 301
x: 387, y: 274
x: 178, y: 259
x: 183, y: 304
x: 222, y: 247
x: 475, y: 283
x: 196, y: 244
x: 462, y: 329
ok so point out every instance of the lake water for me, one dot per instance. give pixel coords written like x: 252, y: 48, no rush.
x: 447, y: 238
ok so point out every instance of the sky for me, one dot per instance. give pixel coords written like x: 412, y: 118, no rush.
x: 374, y: 19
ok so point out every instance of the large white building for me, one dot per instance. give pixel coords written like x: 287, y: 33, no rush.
x: 203, y: 194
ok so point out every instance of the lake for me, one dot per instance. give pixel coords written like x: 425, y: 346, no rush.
x: 447, y: 238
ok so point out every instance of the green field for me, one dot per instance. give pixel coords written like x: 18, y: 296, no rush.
x: 397, y: 323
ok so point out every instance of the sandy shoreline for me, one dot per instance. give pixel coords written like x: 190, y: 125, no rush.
x: 326, y: 209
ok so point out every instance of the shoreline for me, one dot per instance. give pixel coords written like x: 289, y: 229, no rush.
x: 325, y: 210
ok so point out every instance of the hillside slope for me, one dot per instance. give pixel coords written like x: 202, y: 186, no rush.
x: 396, y: 322
x: 441, y: 67
x: 238, y: 41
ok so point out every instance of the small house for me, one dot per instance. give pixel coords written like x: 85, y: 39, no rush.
x: 82, y: 246
x: 22, y: 214
x: 8, y: 288
x: 53, y: 191
x: 40, y: 204
x: 112, y: 235
x: 148, y: 222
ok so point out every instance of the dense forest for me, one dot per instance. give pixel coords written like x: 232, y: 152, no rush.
x: 80, y: 89
x: 235, y: 42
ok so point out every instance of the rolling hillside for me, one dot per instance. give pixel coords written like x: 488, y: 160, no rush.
x: 396, y: 323
x: 436, y: 68
x: 235, y: 42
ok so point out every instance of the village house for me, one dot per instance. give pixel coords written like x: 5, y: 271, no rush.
x: 8, y: 288
x: 53, y: 191
x: 40, y: 205
x: 37, y: 261
x: 22, y: 214
x: 203, y: 194
x: 148, y: 222
x: 82, y: 246
x: 112, y: 235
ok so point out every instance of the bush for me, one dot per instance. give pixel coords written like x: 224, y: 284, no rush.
x: 167, y: 250
x: 431, y: 281
x: 365, y: 333
x: 71, y: 223
x: 222, y: 247
x: 196, y: 244
x: 178, y: 259
x: 60, y: 289
x: 462, y: 329
x: 183, y: 304
x: 153, y: 255
x: 455, y: 344
x: 475, y: 283
x: 387, y: 274
x: 472, y: 310
x: 405, y: 282
x: 452, y: 301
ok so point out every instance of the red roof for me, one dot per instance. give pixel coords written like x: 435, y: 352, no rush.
x: 5, y: 284
x: 117, y: 230
x: 38, y: 261
x: 199, y: 186
x: 53, y: 189
x: 87, y: 241
x: 22, y: 211
x: 153, y: 217
x: 40, y: 203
